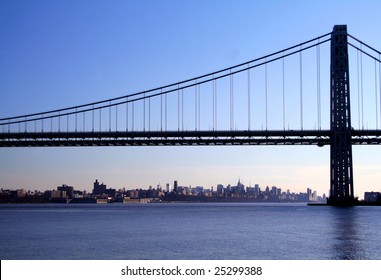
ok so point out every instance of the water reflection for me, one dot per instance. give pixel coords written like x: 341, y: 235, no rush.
x: 347, y: 238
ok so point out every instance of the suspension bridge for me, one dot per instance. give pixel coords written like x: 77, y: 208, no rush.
x: 270, y: 100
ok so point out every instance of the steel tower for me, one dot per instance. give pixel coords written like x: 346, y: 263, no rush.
x: 341, y: 192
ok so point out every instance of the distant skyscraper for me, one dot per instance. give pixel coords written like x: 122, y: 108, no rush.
x: 309, y: 194
x: 175, y: 186
x: 273, y: 190
x: 220, y: 189
x: 167, y: 187
x: 257, y: 190
x: 240, y: 186
x: 99, y: 188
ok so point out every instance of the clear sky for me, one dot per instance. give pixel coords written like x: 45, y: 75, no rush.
x: 55, y: 54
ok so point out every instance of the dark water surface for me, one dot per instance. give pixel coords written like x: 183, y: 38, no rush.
x: 189, y: 231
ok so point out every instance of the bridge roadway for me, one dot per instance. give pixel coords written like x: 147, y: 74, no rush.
x: 181, y: 138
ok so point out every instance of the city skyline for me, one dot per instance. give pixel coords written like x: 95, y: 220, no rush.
x: 101, y: 193
x: 62, y: 54
x: 165, y: 186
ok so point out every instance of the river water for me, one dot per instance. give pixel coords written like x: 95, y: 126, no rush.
x: 189, y: 231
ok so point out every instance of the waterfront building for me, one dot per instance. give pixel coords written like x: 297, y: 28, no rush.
x: 372, y: 196
x: 99, y: 188
x: 54, y: 194
x: 68, y: 189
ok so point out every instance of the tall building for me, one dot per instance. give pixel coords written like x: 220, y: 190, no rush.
x: 309, y: 194
x: 220, y: 189
x: 68, y: 189
x: 257, y: 190
x: 175, y: 186
x: 372, y: 196
x: 99, y: 188
x: 240, y: 186
x: 273, y: 190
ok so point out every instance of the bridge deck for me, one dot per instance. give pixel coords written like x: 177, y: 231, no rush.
x: 181, y: 138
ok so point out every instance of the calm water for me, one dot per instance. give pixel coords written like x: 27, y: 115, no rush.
x: 189, y: 231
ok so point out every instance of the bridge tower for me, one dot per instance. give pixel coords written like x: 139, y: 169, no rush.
x: 341, y: 192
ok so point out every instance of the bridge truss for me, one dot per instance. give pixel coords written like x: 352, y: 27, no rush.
x: 183, y: 138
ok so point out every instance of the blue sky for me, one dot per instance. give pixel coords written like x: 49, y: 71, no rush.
x: 55, y: 54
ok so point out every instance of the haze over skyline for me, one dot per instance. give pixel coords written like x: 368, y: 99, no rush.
x: 56, y: 54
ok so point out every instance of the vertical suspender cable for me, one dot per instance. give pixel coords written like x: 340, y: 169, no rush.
x: 195, y: 105
x: 214, y: 93
x: 76, y: 119
x: 83, y: 117
x: 109, y: 117
x: 215, y: 126
x: 232, y: 100
x: 379, y: 80
x: 301, y: 87
x: 116, y: 118
x: 284, y: 96
x: 248, y: 98
x: 266, y: 92
x: 358, y: 90
x: 166, y: 116
x: 100, y: 119
x: 199, y: 106
x: 149, y: 113
x: 161, y: 109
x: 375, y: 91
x: 182, y: 109
x: 178, y: 108
x: 144, y: 112
x: 318, y: 85
x: 362, y: 92
x: 133, y: 116
x: 126, y: 113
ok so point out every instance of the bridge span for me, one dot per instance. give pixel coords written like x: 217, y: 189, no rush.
x: 128, y: 120
x: 183, y: 138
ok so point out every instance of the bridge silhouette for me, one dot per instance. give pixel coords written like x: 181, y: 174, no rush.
x: 203, y: 110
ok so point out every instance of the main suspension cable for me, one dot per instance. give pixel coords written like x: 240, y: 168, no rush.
x: 184, y: 83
